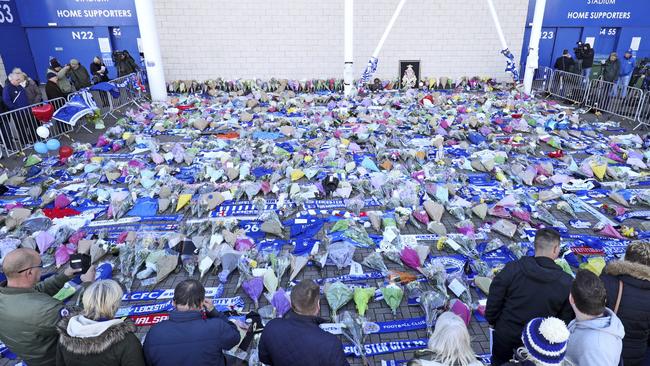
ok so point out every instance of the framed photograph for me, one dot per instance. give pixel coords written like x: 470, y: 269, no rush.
x: 409, y: 74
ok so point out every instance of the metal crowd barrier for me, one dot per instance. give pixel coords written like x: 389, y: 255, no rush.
x: 643, y: 117
x: 624, y: 102
x: 18, y: 128
x: 568, y: 86
x: 542, y: 78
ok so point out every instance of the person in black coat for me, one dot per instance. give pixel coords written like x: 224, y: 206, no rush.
x: 297, y: 339
x: 52, y: 90
x: 525, y: 289
x: 98, y: 71
x: 631, y: 278
x: 586, y: 56
x: 565, y: 62
x: 195, y: 334
x: 3, y: 107
x: 124, y: 63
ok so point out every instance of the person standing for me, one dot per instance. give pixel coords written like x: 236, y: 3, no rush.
x: 32, y: 89
x: 14, y: 95
x: 3, y: 107
x: 124, y: 63
x: 79, y: 75
x: 62, y: 74
x: 528, y: 288
x: 627, y: 283
x: 587, y: 58
x: 28, y: 312
x: 596, y: 333
x: 98, y: 71
x: 565, y: 62
x: 625, y: 73
x: 611, y: 68
x: 297, y: 339
x: 545, y: 343
x: 195, y: 334
x: 95, y: 337
x: 52, y: 89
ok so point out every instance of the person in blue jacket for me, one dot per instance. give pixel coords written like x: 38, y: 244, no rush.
x: 625, y: 73
x: 14, y: 95
x: 195, y: 333
x: 297, y: 339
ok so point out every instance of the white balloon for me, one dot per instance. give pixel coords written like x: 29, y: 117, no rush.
x: 43, y: 132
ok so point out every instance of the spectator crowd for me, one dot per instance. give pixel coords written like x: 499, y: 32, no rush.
x: 540, y: 316
x: 21, y: 91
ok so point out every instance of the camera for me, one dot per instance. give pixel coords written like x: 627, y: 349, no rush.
x: 80, y: 261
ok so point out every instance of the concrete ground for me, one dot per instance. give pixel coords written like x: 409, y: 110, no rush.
x: 377, y: 311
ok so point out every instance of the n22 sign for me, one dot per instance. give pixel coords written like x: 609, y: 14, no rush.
x: 83, y: 35
x: 6, y: 16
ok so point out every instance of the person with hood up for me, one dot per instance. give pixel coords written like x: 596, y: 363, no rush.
x: 545, y: 344
x: 565, y: 62
x: 449, y: 344
x: 528, y: 288
x: 596, y: 333
x: 625, y: 73
x: 79, y: 75
x: 94, y: 337
x: 627, y: 283
x: 62, y: 74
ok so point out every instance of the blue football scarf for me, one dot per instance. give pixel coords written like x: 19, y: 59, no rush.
x: 373, y: 349
x: 210, y: 292
x: 220, y: 304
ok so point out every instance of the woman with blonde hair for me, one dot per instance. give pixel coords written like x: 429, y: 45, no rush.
x: 449, y: 345
x: 94, y: 337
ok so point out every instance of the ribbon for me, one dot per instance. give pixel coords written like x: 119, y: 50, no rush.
x: 221, y: 304
x: 167, y: 294
x: 373, y: 349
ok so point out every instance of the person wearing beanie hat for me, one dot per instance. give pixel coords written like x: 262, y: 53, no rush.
x: 629, y: 280
x: 62, y: 74
x: 52, y: 89
x: 625, y: 73
x: 596, y: 333
x: 528, y: 288
x: 79, y: 75
x: 545, y: 343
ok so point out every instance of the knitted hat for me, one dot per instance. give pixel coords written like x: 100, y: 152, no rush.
x: 54, y: 63
x: 546, y: 340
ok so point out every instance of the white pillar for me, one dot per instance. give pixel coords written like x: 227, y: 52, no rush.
x: 532, y: 62
x: 348, y: 69
x: 497, y: 24
x: 151, y: 49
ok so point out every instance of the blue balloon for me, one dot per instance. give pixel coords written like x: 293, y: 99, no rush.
x: 40, y: 147
x: 53, y: 144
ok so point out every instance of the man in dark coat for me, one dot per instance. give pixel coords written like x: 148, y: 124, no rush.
x: 52, y: 89
x: 529, y: 288
x: 79, y: 75
x: 14, y: 95
x: 631, y: 277
x: 195, y: 334
x: 565, y: 62
x: 124, y: 63
x: 586, y: 55
x: 297, y: 339
x: 611, y: 68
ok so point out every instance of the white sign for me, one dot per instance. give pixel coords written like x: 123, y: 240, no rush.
x: 591, y: 41
x: 104, y: 45
x: 636, y: 42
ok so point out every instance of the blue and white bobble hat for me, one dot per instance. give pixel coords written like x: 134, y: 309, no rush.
x: 546, y: 340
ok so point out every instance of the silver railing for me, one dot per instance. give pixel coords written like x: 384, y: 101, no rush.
x: 542, y: 78
x: 18, y: 128
x: 622, y: 101
x: 643, y: 117
x: 568, y: 86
